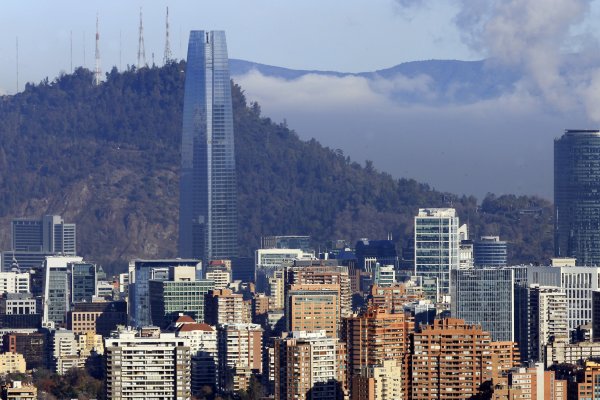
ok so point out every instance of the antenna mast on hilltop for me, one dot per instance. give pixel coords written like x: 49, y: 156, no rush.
x: 168, y: 55
x: 97, y: 71
x: 141, y: 61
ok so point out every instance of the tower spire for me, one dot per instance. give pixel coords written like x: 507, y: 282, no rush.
x: 97, y: 71
x: 167, y: 56
x: 141, y: 59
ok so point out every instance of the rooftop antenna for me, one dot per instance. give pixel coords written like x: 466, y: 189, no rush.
x: 141, y: 59
x: 167, y: 56
x: 97, y: 72
x: 17, y: 48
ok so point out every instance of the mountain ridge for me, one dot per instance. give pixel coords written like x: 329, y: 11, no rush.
x: 107, y: 158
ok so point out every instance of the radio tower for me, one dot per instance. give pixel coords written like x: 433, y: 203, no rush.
x: 141, y: 61
x: 97, y: 71
x: 167, y: 56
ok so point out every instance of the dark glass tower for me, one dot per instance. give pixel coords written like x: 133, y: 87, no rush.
x: 208, y: 190
x: 577, y: 196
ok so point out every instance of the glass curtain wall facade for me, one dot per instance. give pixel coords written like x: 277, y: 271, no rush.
x: 208, y: 188
x: 485, y: 297
x: 490, y: 251
x: 577, y: 196
x: 437, y: 245
x: 83, y: 282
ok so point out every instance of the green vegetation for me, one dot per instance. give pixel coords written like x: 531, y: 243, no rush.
x: 107, y: 158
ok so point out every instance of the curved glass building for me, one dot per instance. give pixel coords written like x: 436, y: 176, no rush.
x: 577, y: 196
x: 490, y: 251
x: 208, y: 189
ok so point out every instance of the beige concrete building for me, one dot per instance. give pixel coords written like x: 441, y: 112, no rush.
x: 313, y: 308
x: 16, y: 390
x: 12, y: 363
x: 378, y: 382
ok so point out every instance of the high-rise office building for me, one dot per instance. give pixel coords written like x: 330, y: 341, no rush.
x: 437, y: 245
x: 34, y: 239
x: 486, y: 297
x: 172, y: 297
x: 208, y: 187
x: 490, y: 251
x: 577, y: 282
x: 83, y: 282
x: 140, y: 274
x: 287, y: 242
x: 577, y: 196
x: 57, y: 299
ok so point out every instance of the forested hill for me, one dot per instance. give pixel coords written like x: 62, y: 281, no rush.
x: 107, y: 158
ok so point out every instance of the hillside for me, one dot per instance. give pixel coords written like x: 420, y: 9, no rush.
x: 107, y: 158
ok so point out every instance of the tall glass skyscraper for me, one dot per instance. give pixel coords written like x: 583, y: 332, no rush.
x: 485, y: 296
x: 437, y: 245
x: 577, y: 196
x: 208, y: 189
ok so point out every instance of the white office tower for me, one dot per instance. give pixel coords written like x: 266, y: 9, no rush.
x: 57, y: 290
x: 384, y: 275
x: 268, y: 261
x: 14, y: 282
x: 547, y: 322
x: 147, y: 364
x: 578, y: 284
x: 437, y: 243
x: 465, y: 252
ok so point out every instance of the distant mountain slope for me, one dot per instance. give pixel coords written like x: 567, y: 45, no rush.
x: 448, y: 80
x: 107, y: 158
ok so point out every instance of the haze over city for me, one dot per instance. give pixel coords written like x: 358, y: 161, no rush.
x: 500, y: 144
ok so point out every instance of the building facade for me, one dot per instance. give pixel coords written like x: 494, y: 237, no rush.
x: 548, y: 322
x: 240, y: 355
x: 147, y: 365
x: 577, y: 196
x: 450, y: 356
x: 208, y: 187
x: 490, y: 251
x: 437, y: 244
x: 486, y: 297
x: 376, y: 336
x: 307, y: 366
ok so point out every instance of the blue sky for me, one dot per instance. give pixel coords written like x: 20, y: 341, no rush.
x: 352, y: 35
